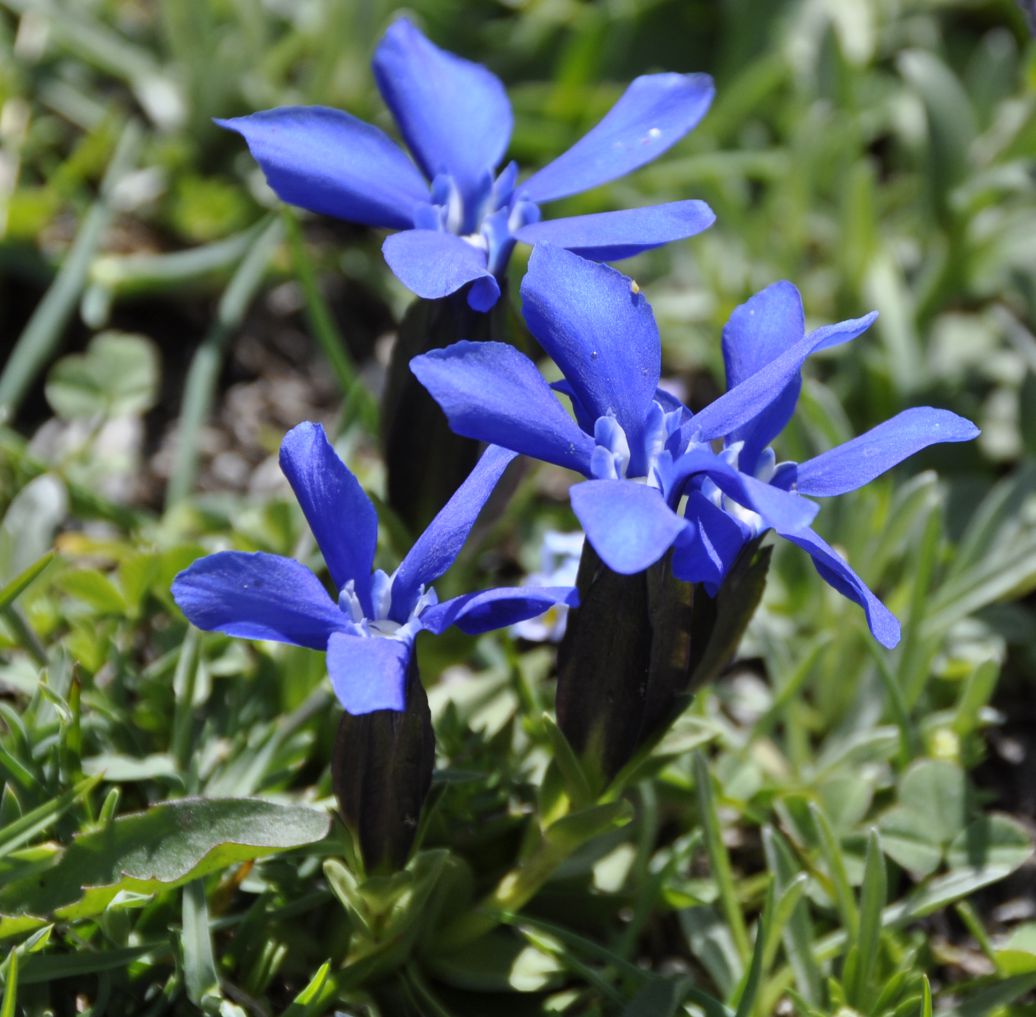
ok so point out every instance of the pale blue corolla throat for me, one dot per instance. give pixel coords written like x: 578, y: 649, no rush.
x: 381, y: 624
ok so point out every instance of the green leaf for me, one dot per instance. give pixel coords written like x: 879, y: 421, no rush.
x: 165, y: 846
x: 23, y: 829
x: 117, y: 376
x: 907, y: 840
x: 496, y: 962
x: 96, y: 589
x: 12, y: 590
x: 937, y: 790
x: 308, y: 1000
x: 992, y: 844
x: 10, y: 999
x: 1017, y: 955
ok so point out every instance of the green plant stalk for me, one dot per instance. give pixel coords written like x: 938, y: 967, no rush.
x: 203, y: 374
x: 43, y: 332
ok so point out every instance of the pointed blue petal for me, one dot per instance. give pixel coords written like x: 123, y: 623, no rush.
x: 258, y: 596
x: 433, y: 264
x: 835, y: 570
x: 629, y: 525
x: 753, y: 396
x: 475, y: 613
x: 600, y: 332
x: 842, y: 331
x: 437, y: 548
x: 860, y: 460
x: 712, y: 547
x: 654, y: 112
x: 329, y: 162
x: 491, y: 392
x: 369, y: 672
x: 758, y: 331
x: 762, y: 328
x: 454, y: 114
x: 611, y: 236
x: 337, y: 509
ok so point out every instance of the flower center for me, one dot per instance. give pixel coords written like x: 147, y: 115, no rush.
x: 487, y: 218
x: 380, y: 624
x: 615, y: 457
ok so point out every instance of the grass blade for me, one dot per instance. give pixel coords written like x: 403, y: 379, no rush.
x: 43, y: 332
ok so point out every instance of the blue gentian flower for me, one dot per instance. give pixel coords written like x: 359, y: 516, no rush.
x: 659, y: 476
x: 459, y: 218
x: 369, y: 631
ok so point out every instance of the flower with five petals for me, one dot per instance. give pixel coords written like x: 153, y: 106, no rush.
x: 458, y: 217
x: 368, y: 630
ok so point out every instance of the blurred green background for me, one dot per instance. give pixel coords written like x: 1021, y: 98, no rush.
x: 164, y: 321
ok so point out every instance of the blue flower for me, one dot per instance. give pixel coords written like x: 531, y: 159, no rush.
x: 369, y: 631
x: 459, y: 218
x: 657, y: 478
x: 559, y: 564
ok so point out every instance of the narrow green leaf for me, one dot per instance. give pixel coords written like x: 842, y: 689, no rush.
x: 12, y: 590
x: 873, y: 895
x: 797, y: 931
x: 201, y: 978
x: 10, y: 1000
x: 832, y: 853
x: 22, y: 830
x: 719, y: 860
x: 753, y: 978
x: 45, y: 329
x: 309, y: 1000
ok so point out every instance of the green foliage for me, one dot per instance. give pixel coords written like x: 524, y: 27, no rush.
x: 826, y: 829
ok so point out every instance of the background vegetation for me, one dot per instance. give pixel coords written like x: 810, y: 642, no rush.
x: 831, y: 828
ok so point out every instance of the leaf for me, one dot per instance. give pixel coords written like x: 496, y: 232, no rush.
x: 23, y: 829
x: 117, y: 376
x: 11, y: 591
x: 1017, y: 955
x: 908, y: 841
x: 165, y: 846
x: 496, y: 962
x: 993, y: 844
x: 937, y: 791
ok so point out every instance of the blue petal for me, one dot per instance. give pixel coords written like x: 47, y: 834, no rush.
x: 611, y: 236
x: 369, y: 672
x: 454, y: 114
x: 330, y: 162
x: 842, y: 331
x: 754, y: 395
x: 629, y: 525
x: 707, y: 553
x: 437, y: 548
x: 491, y: 392
x: 859, y: 461
x: 654, y: 112
x: 763, y: 327
x: 758, y: 331
x: 258, y: 596
x: 475, y: 613
x: 433, y: 264
x: 782, y: 510
x: 600, y: 332
x: 337, y: 509
x: 835, y: 570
